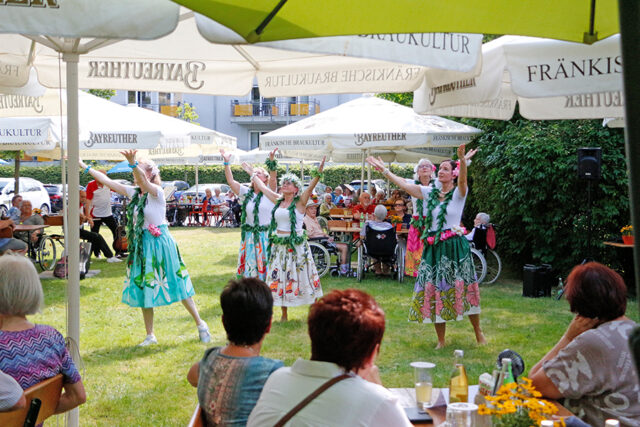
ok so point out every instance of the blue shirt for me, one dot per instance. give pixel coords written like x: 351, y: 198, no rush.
x: 14, y: 214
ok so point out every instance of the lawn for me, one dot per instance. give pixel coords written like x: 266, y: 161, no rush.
x: 132, y: 386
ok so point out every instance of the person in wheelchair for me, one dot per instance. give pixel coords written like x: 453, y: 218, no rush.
x: 382, y: 249
x: 315, y: 232
x: 28, y: 217
x: 479, y: 233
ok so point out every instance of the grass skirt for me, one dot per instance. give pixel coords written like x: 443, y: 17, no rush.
x: 446, y: 288
x: 164, y: 279
x: 413, y: 257
x: 292, y: 277
x: 252, y: 258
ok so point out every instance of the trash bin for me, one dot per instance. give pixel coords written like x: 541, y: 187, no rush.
x: 529, y: 281
x: 537, y: 280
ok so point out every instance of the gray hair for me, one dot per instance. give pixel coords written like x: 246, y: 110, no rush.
x: 416, y: 167
x: 150, y: 166
x: 380, y: 212
x: 484, y: 217
x: 20, y: 288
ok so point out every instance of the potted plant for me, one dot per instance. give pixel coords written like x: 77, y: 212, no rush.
x: 397, y: 221
x: 627, y: 234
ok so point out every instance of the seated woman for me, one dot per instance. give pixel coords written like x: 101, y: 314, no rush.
x: 346, y: 329
x: 32, y: 353
x: 481, y: 221
x: 314, y: 231
x: 27, y: 217
x: 400, y: 210
x: 395, y: 196
x: 591, y: 366
x: 230, y: 378
x: 326, y: 206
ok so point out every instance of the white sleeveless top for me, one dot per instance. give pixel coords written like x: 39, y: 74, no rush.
x: 264, y: 210
x: 454, y: 208
x: 283, y: 223
x: 155, y: 209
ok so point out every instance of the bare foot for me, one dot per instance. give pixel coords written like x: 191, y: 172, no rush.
x: 284, y: 318
x: 481, y: 339
x: 440, y: 345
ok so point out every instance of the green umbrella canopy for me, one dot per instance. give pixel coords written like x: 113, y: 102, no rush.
x: 581, y: 21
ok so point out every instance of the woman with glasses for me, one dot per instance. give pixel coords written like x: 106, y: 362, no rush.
x: 400, y: 209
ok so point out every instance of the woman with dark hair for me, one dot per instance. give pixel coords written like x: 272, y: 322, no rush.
x: 346, y: 329
x: 446, y: 287
x: 591, y: 366
x: 156, y: 274
x: 255, y: 218
x: 230, y: 378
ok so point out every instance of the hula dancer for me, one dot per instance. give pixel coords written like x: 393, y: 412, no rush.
x: 255, y: 218
x: 446, y: 288
x: 156, y: 274
x: 292, y: 275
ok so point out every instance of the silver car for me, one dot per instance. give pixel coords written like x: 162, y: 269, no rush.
x: 29, y: 189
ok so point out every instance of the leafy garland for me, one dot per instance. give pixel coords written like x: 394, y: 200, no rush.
x: 431, y: 204
x: 135, y: 230
x: 272, y: 165
x: 256, y: 227
x: 293, y: 239
x: 315, y: 173
x: 418, y: 219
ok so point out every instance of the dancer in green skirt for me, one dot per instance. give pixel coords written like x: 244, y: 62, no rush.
x: 446, y: 287
x: 156, y: 274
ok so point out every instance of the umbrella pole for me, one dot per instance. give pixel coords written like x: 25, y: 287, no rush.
x: 73, y: 281
x: 630, y: 37
x: 362, y: 173
x: 302, y: 170
x: 197, y: 191
x: 369, y: 173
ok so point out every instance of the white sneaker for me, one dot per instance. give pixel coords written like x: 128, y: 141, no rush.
x: 149, y: 340
x: 114, y: 259
x: 203, y: 332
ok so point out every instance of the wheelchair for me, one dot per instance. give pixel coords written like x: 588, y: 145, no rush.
x: 322, y: 250
x: 43, y: 251
x: 487, y: 261
x: 383, y: 247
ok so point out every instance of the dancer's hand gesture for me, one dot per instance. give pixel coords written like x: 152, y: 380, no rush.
x: 226, y: 157
x: 130, y: 155
x: 321, y: 167
x: 461, y: 152
x: 272, y: 154
x: 470, y: 154
x: 247, y: 168
x: 378, y: 164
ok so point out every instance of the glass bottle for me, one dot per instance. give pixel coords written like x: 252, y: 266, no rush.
x: 508, y: 374
x: 362, y: 222
x: 459, y: 383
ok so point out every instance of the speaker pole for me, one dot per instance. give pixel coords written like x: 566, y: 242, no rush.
x: 589, y: 224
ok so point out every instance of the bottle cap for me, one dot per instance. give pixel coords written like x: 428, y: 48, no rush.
x: 458, y: 353
x: 506, y: 360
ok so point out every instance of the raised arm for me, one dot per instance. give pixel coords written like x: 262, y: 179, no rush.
x: 273, y: 174
x: 235, y: 185
x: 304, y: 197
x: 462, y: 174
x: 104, y: 179
x: 412, y: 189
x: 138, y: 173
x: 259, y: 185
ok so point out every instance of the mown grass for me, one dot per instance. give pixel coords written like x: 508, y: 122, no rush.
x: 132, y: 386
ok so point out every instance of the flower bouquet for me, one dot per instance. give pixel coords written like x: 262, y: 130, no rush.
x: 397, y: 221
x: 518, y: 405
x: 627, y: 234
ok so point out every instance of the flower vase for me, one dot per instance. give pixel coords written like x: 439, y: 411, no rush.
x: 628, y: 240
x: 399, y: 226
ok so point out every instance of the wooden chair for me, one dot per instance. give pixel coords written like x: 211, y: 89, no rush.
x: 196, y: 418
x: 48, y: 391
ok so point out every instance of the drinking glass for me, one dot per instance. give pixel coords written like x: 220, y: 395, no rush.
x: 461, y: 414
x: 423, y: 383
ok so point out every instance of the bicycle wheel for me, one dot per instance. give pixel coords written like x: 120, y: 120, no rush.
x: 400, y: 263
x: 360, y: 271
x: 47, y: 253
x: 494, y: 266
x: 321, y: 258
x: 480, y: 264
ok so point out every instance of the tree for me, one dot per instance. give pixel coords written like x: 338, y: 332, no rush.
x: 188, y: 113
x: 405, y: 99
x: 103, y: 93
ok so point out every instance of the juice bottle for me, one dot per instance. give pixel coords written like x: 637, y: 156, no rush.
x: 459, y: 383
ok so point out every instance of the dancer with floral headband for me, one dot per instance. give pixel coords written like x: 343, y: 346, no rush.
x: 292, y: 275
x: 156, y: 274
x: 446, y: 287
x: 255, y: 218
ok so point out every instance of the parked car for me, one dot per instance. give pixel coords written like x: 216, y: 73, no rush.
x: 380, y: 184
x: 190, y: 194
x: 181, y: 186
x: 29, y: 189
x: 55, y: 196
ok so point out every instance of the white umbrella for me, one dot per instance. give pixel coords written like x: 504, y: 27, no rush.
x: 549, y: 79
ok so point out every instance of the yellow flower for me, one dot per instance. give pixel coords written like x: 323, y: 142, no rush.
x: 627, y: 230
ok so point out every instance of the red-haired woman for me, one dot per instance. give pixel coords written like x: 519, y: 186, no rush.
x: 591, y: 366
x: 446, y: 287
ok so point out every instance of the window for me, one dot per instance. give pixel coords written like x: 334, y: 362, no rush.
x: 132, y: 97
x: 254, y: 139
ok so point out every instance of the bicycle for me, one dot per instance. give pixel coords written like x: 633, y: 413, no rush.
x: 486, y: 261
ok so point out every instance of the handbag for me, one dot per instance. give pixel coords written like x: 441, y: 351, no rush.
x: 309, y: 398
x: 60, y: 270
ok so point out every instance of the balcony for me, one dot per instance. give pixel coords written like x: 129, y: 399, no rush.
x: 275, y: 112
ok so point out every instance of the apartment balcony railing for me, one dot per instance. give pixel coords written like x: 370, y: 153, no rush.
x: 275, y: 110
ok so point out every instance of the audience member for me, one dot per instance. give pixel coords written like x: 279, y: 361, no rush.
x: 337, y: 197
x: 326, y: 206
x: 234, y: 205
x: 346, y: 329
x: 98, y: 208
x: 11, y: 243
x: 98, y: 244
x: 230, y: 378
x: 315, y: 231
x: 14, y: 210
x: 11, y: 394
x: 216, y: 203
x: 27, y: 217
x: 364, y: 207
x: 481, y: 221
x: 380, y: 198
x: 395, y: 196
x: 591, y: 367
x: 400, y: 209
x: 347, y: 194
x: 31, y: 353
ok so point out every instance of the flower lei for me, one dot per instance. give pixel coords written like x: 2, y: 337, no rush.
x: 293, y: 239
x: 418, y: 220
x: 272, y: 165
x: 256, y: 227
x: 428, y: 218
x: 134, y: 233
x: 315, y: 173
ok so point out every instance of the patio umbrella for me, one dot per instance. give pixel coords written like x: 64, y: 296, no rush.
x: 123, y: 166
x: 549, y: 79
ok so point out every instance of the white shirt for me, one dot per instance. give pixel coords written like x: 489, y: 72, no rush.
x: 101, y: 202
x: 10, y: 391
x: 350, y: 402
x: 454, y: 208
x: 156, y: 207
x: 283, y: 221
x: 264, y: 210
